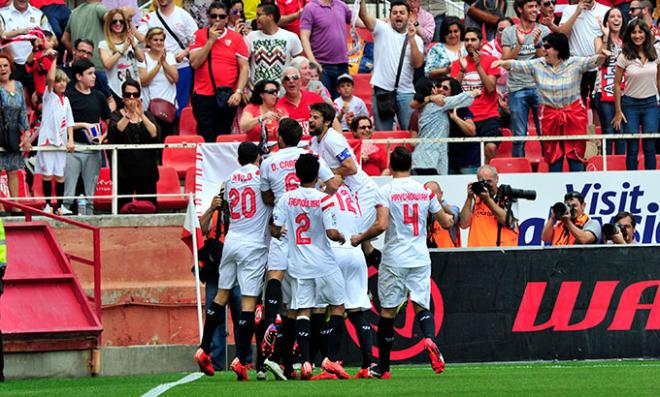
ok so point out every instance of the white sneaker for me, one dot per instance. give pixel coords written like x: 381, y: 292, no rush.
x: 261, y: 375
x: 48, y: 209
x: 65, y: 211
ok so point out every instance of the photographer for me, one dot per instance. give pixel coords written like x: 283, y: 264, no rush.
x: 569, y: 225
x: 213, y: 225
x: 490, y: 215
x: 621, y: 230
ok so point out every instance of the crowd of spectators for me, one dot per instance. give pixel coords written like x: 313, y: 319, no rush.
x: 244, y: 65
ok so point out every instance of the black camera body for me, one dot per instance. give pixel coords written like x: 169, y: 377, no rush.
x: 610, y: 229
x: 560, y: 209
x: 507, y: 192
x: 480, y: 187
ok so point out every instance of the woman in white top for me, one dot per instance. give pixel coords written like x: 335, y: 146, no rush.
x: 56, y: 130
x: 119, y: 52
x: 158, y: 76
x: 638, y: 108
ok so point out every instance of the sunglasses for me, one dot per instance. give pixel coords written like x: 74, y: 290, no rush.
x: 547, y: 46
x: 128, y: 95
x: 364, y: 127
x: 295, y: 77
x: 235, y: 12
x: 118, y: 22
x: 271, y: 92
x: 548, y: 3
x: 218, y: 16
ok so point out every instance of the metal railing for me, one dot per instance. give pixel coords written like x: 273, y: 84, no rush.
x: 389, y: 142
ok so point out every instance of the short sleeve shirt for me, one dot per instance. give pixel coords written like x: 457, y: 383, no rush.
x: 334, y: 149
x: 180, y: 22
x: 327, y: 25
x: 640, y: 78
x: 485, y: 105
x: 224, y: 60
x: 518, y: 81
x: 248, y: 214
x: 300, y: 112
x: 269, y: 54
x: 586, y: 28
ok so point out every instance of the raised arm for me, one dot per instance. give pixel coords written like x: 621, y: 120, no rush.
x: 368, y: 20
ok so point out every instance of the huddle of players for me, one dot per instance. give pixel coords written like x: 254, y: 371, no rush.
x: 311, y: 268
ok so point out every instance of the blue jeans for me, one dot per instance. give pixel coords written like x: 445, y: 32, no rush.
x: 330, y: 75
x: 640, y: 113
x: 403, y: 114
x: 58, y: 16
x: 606, y: 114
x: 219, y: 343
x: 183, y: 88
x: 463, y: 170
x: 520, y: 103
x: 573, y: 165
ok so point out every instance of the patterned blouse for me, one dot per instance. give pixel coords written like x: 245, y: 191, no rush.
x: 14, y: 110
x: 434, y: 123
x: 440, y: 56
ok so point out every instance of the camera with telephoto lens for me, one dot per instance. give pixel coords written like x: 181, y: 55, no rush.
x: 506, y: 191
x: 560, y: 209
x: 480, y: 187
x: 610, y: 229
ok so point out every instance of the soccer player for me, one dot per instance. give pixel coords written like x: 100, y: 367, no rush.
x: 278, y: 175
x: 353, y: 266
x: 310, y: 219
x: 335, y: 150
x: 406, y: 265
x: 243, y: 259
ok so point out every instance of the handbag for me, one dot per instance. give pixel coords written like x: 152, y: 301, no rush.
x: 222, y: 93
x: 386, y: 101
x: 163, y: 110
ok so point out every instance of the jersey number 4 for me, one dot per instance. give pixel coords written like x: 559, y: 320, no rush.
x: 248, y: 200
x: 411, y: 217
x: 302, y: 220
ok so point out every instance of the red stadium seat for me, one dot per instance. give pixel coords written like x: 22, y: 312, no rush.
x: 615, y: 162
x: 504, y: 148
x: 509, y: 165
x: 181, y: 158
x: 38, y: 188
x: 187, y: 122
x: 189, y: 184
x: 533, y: 150
x: 231, y: 138
x: 24, y: 192
x: 362, y: 89
x: 544, y: 167
x: 103, y: 188
x: 168, y: 183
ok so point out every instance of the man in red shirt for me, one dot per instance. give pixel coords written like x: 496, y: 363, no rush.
x: 229, y: 63
x: 296, y: 101
x: 475, y: 72
x: 290, y: 11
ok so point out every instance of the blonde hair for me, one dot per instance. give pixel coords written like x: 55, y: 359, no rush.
x: 107, y: 28
x: 60, y: 75
x: 155, y: 31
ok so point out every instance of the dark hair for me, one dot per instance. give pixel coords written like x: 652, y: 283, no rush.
x: 247, y: 153
x: 521, y: 4
x: 290, y: 131
x: 444, y: 28
x: 217, y: 5
x: 80, y: 66
x: 48, y: 34
x: 271, y: 9
x: 355, y: 123
x: 399, y: 3
x: 83, y: 40
x: 455, y: 85
x: 327, y: 111
x: 508, y: 19
x: 131, y: 83
x: 307, y: 167
x: 234, y: 2
x: 559, y: 42
x: 259, y: 89
x: 574, y: 195
x: 610, y: 43
x: 401, y: 159
x: 625, y: 214
x: 629, y: 51
x: 646, y: 4
x: 476, y: 31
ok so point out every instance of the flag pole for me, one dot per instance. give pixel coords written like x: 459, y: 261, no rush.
x: 198, y: 289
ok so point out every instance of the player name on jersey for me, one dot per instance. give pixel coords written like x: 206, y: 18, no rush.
x: 412, y: 196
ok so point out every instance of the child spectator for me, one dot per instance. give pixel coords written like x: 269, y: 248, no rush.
x: 347, y: 105
x: 56, y: 130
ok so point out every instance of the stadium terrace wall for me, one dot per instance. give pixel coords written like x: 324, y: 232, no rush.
x: 538, y: 304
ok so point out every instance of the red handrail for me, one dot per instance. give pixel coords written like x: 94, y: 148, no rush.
x: 96, y: 236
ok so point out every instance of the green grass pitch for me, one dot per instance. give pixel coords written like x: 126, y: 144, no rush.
x: 584, y: 378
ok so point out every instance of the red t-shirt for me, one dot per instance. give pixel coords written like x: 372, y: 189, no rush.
x: 225, y: 53
x: 288, y: 7
x: 300, y: 113
x: 254, y: 135
x: 39, y: 69
x: 485, y: 105
x: 377, y: 161
x: 42, y: 3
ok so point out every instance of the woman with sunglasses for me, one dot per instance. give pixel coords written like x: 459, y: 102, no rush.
x: 638, y: 107
x: 137, y: 169
x: 373, y: 157
x: 558, y: 76
x: 119, y: 52
x: 610, y: 45
x: 443, y: 54
x: 158, y: 76
x: 236, y: 20
x: 262, y: 112
x: 547, y: 15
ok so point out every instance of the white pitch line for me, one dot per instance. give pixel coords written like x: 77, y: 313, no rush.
x: 160, y: 389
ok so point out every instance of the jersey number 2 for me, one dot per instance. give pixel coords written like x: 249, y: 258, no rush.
x: 302, y: 220
x: 411, y: 217
x: 248, y: 210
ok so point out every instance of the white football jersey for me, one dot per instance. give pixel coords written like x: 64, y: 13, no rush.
x: 334, y: 149
x: 306, y: 214
x: 278, y: 171
x: 348, y: 215
x: 248, y: 214
x: 409, y: 203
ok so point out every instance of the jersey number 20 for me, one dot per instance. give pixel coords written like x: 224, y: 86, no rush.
x: 248, y: 210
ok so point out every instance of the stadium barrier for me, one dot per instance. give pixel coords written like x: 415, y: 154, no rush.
x: 566, y: 303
